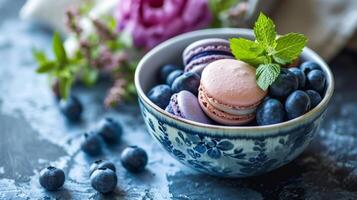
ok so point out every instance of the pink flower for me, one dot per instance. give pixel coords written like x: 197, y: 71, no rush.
x: 152, y: 21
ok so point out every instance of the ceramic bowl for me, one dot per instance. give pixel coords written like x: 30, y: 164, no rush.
x: 229, y: 151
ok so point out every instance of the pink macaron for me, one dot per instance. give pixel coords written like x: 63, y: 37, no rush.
x: 228, y: 92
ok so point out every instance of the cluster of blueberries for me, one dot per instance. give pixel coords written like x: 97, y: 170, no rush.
x: 295, y: 91
x: 102, y: 172
x: 175, y: 80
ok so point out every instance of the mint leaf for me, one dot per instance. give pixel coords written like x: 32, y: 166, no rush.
x: 264, y: 30
x: 45, y: 67
x: 247, y: 51
x: 266, y: 75
x: 39, y: 56
x: 289, y: 47
x: 58, y: 49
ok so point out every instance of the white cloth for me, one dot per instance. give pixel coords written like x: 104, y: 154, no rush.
x: 329, y: 24
x: 48, y: 12
x: 52, y: 12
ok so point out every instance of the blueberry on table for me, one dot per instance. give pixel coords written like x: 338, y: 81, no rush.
x: 308, y: 66
x: 166, y: 70
x: 172, y: 76
x: 110, y: 130
x: 300, y: 76
x: 189, y: 81
x: 297, y: 104
x: 134, y: 159
x: 316, y: 80
x: 315, y: 98
x: 91, y: 144
x: 269, y: 112
x: 71, y: 108
x: 285, y: 84
x: 104, y: 180
x: 160, y: 95
x: 51, y: 178
x: 101, y: 164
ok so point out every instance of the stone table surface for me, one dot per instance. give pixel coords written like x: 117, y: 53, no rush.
x: 33, y: 134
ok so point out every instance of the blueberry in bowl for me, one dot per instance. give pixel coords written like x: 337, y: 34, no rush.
x: 286, y: 120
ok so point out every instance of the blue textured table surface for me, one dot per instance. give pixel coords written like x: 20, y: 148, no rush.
x: 34, y: 134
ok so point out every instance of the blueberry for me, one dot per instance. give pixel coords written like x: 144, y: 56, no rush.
x: 166, y: 70
x: 91, y: 144
x: 71, y: 108
x: 160, y: 95
x: 285, y: 84
x: 104, y: 180
x: 297, y: 104
x: 316, y: 80
x: 172, y: 76
x: 110, y: 130
x: 101, y: 164
x: 189, y: 81
x: 308, y: 66
x: 270, y: 111
x: 51, y: 178
x: 315, y: 98
x: 134, y: 159
x: 300, y: 76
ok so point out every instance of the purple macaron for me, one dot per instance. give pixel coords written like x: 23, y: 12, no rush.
x: 185, y: 105
x: 199, y: 54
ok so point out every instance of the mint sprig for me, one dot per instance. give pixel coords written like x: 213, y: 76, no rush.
x: 269, y: 52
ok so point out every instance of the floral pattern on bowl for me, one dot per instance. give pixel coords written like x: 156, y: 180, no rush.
x: 232, y: 157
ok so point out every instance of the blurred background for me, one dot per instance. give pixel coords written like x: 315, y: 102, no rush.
x: 103, y: 40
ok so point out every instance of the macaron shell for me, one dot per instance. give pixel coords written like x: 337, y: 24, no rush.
x: 220, y: 116
x: 173, y: 107
x: 205, y: 45
x: 185, y: 105
x: 199, y: 64
x: 232, y: 83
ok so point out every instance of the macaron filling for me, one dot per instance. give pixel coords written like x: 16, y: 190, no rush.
x: 209, y: 53
x: 204, y: 61
x: 203, y: 46
x: 234, y: 110
x: 221, y: 116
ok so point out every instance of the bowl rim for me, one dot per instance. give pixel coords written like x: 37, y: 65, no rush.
x: 242, y: 31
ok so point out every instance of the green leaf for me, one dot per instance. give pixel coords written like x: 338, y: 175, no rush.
x: 289, y: 47
x: 65, y: 85
x: 90, y: 77
x: 266, y: 75
x: 58, y: 49
x: 247, y: 51
x: 45, y: 67
x: 39, y: 56
x: 264, y: 30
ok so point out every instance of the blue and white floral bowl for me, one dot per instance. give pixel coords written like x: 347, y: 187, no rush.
x: 223, y: 150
